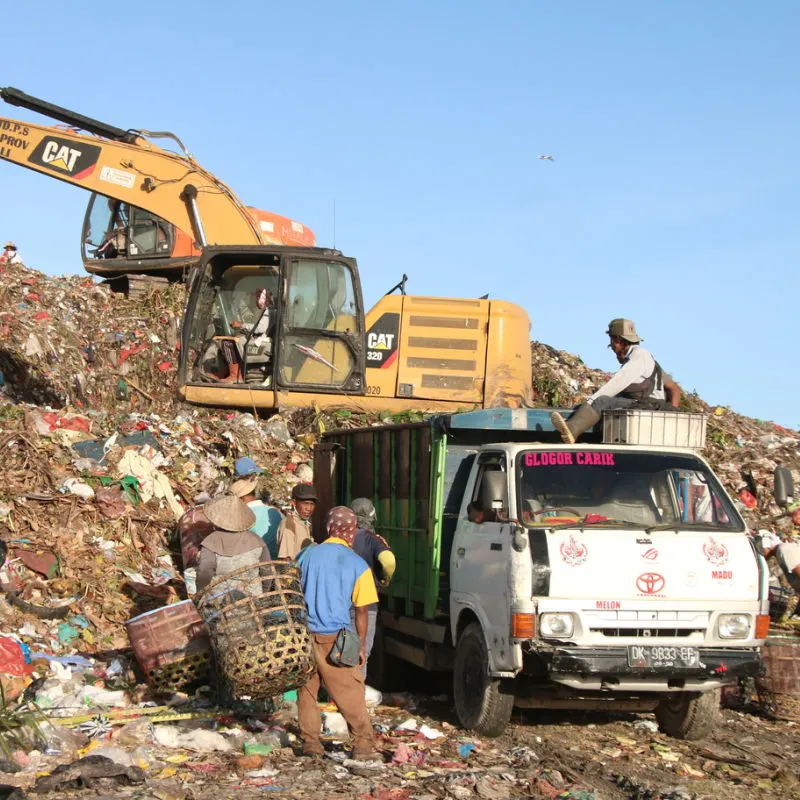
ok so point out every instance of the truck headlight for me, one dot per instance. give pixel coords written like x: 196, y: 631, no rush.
x: 556, y: 626
x: 733, y: 626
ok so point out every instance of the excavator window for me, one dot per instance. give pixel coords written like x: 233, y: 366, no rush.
x: 233, y: 327
x: 114, y: 229
x: 148, y: 235
x: 104, y: 221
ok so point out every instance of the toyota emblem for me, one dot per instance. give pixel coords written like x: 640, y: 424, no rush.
x: 650, y: 583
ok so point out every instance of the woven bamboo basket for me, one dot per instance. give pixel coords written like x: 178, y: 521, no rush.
x: 778, y: 690
x: 258, y: 623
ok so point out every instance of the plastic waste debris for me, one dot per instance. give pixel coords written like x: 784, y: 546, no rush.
x: 115, y: 754
x: 372, y: 697
x: 79, y: 488
x: 198, y: 740
x: 334, y: 724
x: 12, y: 658
x: 276, y: 428
x: 430, y: 733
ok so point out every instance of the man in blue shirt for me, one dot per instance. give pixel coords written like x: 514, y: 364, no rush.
x: 334, y: 578
x: 268, y: 518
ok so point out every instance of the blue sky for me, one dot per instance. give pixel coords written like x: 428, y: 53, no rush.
x: 673, y: 197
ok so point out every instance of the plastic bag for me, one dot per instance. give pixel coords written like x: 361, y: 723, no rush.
x: 12, y: 658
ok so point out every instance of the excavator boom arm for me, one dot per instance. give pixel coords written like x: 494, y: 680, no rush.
x: 15, y: 97
x: 134, y: 171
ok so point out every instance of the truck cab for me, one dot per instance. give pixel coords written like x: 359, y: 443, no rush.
x: 618, y: 570
x: 613, y: 573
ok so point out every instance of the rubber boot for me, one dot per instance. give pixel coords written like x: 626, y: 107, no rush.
x: 579, y: 422
x: 234, y: 374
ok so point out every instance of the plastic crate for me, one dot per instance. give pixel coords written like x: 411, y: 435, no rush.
x: 654, y: 428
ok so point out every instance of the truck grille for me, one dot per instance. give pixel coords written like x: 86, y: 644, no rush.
x: 640, y: 624
x: 645, y: 633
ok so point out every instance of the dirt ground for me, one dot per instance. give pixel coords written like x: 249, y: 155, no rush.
x: 747, y: 756
x: 565, y: 755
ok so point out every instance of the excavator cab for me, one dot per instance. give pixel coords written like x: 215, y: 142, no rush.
x: 270, y: 320
x: 119, y: 238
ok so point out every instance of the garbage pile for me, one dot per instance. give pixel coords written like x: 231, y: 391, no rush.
x: 97, y: 463
x: 70, y: 342
x: 175, y: 749
x: 89, y: 504
x: 187, y: 747
x: 99, y: 460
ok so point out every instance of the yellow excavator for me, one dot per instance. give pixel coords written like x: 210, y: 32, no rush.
x: 270, y: 321
x: 269, y: 327
x: 130, y: 177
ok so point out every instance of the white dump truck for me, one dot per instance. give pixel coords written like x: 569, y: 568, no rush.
x: 613, y: 573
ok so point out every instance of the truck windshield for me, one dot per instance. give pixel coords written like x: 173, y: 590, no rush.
x: 592, y: 487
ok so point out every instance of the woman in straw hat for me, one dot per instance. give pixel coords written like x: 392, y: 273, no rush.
x: 231, y: 546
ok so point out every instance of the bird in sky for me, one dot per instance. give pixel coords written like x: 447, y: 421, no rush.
x: 547, y: 158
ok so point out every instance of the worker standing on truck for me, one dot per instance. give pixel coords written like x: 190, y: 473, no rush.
x: 375, y: 550
x: 638, y: 384
x: 334, y: 579
x: 295, y: 527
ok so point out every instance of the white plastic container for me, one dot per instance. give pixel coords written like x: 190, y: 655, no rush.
x: 654, y: 428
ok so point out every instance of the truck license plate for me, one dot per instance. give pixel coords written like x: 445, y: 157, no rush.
x: 660, y: 656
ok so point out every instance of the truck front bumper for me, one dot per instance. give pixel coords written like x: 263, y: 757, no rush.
x: 609, y: 668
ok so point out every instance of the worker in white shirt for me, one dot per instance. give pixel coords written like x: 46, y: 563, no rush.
x: 787, y: 554
x: 10, y: 254
x: 639, y: 383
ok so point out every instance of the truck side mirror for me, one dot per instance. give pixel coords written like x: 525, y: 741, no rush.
x: 494, y: 491
x: 783, y: 490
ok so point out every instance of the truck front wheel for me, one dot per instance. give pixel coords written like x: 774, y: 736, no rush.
x: 685, y: 715
x: 480, y: 705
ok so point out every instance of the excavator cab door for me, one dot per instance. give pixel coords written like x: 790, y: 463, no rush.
x: 149, y: 236
x: 321, y: 343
